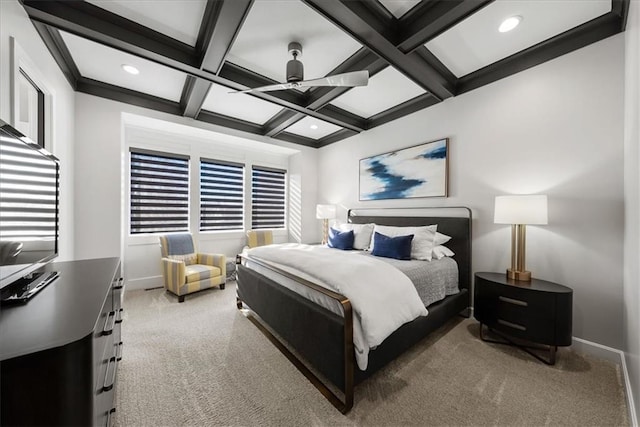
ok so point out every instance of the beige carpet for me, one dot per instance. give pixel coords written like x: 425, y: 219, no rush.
x: 203, y: 363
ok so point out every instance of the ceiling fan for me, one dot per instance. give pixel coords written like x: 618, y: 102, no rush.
x: 295, y: 76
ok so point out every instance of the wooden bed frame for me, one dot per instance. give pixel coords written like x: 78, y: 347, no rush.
x: 322, y: 340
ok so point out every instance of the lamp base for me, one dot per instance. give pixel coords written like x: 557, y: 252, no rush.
x: 523, y: 276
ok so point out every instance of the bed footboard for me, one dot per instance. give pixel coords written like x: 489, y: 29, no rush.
x: 321, y: 337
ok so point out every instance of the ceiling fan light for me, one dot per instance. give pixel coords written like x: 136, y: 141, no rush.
x: 295, y: 71
x: 130, y: 69
x: 510, y: 23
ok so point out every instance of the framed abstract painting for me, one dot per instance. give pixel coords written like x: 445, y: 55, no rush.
x: 419, y: 171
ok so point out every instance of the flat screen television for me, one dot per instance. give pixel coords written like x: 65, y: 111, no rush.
x: 29, y: 207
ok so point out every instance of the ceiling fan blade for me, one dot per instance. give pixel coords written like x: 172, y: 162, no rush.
x: 278, y: 86
x: 354, y: 78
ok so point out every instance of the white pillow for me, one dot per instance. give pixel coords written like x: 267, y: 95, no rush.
x: 441, y: 239
x: 423, y: 238
x: 362, y: 234
x: 440, y: 252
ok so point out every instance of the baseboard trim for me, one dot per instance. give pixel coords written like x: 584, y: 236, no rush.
x: 613, y: 355
x: 144, y: 283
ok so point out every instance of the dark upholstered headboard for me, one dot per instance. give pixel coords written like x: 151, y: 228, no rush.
x: 454, y: 222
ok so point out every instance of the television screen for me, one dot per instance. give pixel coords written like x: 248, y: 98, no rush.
x: 29, y: 205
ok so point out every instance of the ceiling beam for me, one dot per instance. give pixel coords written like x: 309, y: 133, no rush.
x: 411, y: 106
x: 194, y: 93
x: 58, y: 49
x: 127, y: 96
x: 335, y: 137
x: 576, y: 38
x: 220, y: 25
x: 431, y: 18
x: 357, y: 20
x: 97, y: 24
x: 280, y: 122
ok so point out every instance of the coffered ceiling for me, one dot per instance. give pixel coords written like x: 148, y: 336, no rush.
x: 192, y: 55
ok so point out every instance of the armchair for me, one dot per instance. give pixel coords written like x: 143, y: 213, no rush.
x: 185, y: 271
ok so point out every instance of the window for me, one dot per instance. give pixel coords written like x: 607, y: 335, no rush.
x: 159, y: 192
x: 221, y: 195
x: 268, y: 198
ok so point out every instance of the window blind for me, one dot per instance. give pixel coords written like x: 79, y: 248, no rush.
x: 221, y: 195
x: 28, y: 182
x: 268, y: 198
x: 159, y: 192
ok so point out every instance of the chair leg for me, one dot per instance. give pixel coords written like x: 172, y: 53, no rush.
x: 180, y: 298
x: 222, y: 285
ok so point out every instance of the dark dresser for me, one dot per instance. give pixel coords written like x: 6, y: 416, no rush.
x: 59, y: 352
x: 534, y: 312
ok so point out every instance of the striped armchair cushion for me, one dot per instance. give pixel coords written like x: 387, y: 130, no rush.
x: 257, y: 238
x: 179, y: 247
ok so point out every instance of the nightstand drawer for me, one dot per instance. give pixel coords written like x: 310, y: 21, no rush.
x: 517, y: 299
x: 541, y: 331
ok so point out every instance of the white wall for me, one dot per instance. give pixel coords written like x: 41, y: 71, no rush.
x: 631, y: 309
x: 105, y: 129
x: 555, y: 129
x: 15, y: 23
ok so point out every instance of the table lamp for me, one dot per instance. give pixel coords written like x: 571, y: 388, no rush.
x: 325, y: 213
x: 520, y: 211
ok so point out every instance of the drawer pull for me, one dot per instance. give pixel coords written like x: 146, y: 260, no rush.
x: 119, y: 315
x: 110, y: 374
x: 119, y: 284
x: 513, y: 301
x: 109, y: 323
x: 109, y: 414
x: 119, y: 351
x: 512, y: 325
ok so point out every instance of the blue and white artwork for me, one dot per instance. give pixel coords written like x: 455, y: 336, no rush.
x: 419, y: 171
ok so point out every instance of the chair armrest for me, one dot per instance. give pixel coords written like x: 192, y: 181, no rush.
x: 173, y: 272
x: 214, y: 260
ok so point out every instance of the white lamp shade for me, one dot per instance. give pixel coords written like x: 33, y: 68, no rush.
x: 529, y: 209
x: 325, y: 211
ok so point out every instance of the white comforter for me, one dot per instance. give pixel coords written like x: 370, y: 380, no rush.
x: 382, y: 297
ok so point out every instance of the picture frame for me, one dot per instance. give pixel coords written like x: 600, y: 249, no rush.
x: 413, y: 172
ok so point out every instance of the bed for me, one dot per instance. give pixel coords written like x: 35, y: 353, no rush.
x: 320, y: 341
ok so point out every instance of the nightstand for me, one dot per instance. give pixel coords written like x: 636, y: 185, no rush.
x: 530, y: 315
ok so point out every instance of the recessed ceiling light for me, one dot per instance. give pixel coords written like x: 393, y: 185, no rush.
x: 509, y: 23
x: 130, y: 69
x: 314, y: 127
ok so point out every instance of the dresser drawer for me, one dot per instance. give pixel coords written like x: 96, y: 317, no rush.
x: 106, y: 384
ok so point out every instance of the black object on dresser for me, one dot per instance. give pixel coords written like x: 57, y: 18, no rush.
x: 535, y: 312
x: 59, y: 352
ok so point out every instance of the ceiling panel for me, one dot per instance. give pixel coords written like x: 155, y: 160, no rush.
x: 399, y: 7
x: 386, y: 89
x: 476, y: 41
x: 313, y: 128
x: 178, y: 19
x: 102, y: 63
x: 271, y: 25
x: 239, y: 105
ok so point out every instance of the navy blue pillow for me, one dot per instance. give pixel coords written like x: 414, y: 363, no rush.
x: 341, y: 239
x: 392, y: 247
